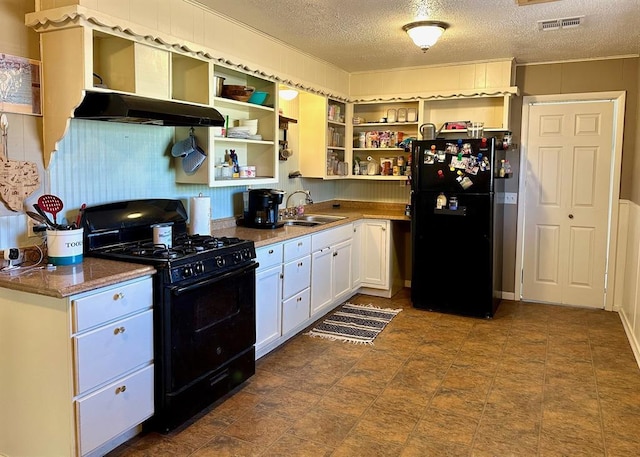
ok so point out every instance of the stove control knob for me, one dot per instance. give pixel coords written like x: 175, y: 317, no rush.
x: 187, y: 272
x: 220, y: 261
x: 199, y: 268
x: 237, y: 256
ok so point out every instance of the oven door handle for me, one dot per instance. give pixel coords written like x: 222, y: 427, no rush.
x: 206, y: 282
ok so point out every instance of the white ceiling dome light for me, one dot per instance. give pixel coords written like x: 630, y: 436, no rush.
x: 425, y: 33
x: 288, y: 94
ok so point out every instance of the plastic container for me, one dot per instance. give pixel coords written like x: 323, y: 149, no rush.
x: 64, y: 247
x: 475, y: 129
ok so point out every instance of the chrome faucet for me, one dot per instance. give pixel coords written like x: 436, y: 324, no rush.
x: 307, y: 198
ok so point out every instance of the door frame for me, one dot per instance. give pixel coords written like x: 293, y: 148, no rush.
x: 618, y: 98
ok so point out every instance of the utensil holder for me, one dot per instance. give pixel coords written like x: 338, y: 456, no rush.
x: 64, y: 247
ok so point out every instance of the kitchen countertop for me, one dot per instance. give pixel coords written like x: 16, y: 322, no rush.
x: 352, y: 211
x: 68, y: 280
x: 93, y: 273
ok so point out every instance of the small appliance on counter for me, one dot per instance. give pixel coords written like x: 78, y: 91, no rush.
x: 261, y: 208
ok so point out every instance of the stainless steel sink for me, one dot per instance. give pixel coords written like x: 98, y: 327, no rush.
x: 310, y: 220
x: 301, y: 223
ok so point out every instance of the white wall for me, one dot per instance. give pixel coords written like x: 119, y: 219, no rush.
x: 629, y: 305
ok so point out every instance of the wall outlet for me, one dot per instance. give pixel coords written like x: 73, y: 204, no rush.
x: 34, y: 229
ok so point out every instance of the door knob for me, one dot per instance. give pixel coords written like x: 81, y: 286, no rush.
x: 570, y: 216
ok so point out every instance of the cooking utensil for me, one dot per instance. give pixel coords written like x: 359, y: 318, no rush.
x: 192, y: 162
x: 51, y: 204
x: 79, y: 217
x: 41, y: 212
x: 38, y: 218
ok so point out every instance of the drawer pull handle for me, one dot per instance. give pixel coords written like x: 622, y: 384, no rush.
x: 299, y: 299
x: 120, y: 389
x: 118, y: 296
x: 281, y: 275
x: 335, y: 254
x: 299, y: 264
x: 299, y: 243
x: 270, y: 251
x: 118, y: 330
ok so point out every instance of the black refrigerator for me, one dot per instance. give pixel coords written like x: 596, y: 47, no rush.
x: 456, y: 249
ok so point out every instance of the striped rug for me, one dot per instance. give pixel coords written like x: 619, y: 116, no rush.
x: 358, y: 324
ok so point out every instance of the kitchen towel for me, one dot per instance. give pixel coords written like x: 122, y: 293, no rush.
x: 200, y: 215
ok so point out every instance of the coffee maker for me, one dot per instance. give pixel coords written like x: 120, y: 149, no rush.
x: 261, y: 208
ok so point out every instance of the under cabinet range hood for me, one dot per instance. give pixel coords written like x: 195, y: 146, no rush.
x: 132, y: 109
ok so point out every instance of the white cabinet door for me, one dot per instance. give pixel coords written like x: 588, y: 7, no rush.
x: 296, y: 276
x: 268, y: 311
x: 112, y: 349
x: 115, y: 408
x: 375, y: 254
x: 321, y: 280
x: 295, y: 311
x: 341, y: 270
x: 356, y: 254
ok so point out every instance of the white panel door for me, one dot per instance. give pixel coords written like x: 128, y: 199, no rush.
x: 570, y: 154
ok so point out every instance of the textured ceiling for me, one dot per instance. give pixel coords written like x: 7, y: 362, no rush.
x: 360, y: 35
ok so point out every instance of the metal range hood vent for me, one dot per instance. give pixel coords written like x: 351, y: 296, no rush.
x: 114, y: 107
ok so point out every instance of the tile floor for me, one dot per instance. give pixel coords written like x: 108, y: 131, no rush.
x: 537, y: 380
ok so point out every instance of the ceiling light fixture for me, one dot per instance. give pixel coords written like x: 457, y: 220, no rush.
x: 425, y: 33
x: 288, y: 94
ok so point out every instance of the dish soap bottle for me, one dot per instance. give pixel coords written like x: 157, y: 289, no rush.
x: 441, y: 201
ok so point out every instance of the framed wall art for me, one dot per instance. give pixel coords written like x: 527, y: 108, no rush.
x: 20, y: 85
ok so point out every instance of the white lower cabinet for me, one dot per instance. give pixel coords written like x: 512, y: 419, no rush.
x: 302, y: 279
x: 81, y: 374
x: 112, y: 409
x: 282, y: 292
x: 330, y: 268
x: 268, y: 298
x: 295, y: 311
x: 380, y: 269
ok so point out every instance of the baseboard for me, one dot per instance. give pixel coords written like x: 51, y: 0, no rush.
x: 508, y: 295
x: 633, y: 342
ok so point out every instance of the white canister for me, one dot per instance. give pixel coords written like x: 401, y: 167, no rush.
x: 64, y: 247
x: 163, y: 234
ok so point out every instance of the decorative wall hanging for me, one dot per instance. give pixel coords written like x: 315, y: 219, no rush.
x: 18, y: 179
x: 20, y: 85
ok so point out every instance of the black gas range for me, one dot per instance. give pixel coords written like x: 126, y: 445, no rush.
x: 204, y: 301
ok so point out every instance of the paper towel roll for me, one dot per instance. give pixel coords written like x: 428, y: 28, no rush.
x: 200, y: 216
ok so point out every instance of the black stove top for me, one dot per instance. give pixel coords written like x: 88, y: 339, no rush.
x: 123, y: 231
x: 182, y: 247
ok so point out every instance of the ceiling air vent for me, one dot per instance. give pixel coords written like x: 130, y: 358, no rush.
x: 557, y: 24
x: 532, y: 2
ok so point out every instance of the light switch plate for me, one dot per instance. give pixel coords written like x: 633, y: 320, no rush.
x: 510, y: 198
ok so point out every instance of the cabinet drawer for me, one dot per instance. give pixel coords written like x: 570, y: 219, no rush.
x: 117, y: 407
x: 298, y: 247
x: 109, y: 351
x: 111, y: 303
x: 297, y: 276
x: 330, y: 237
x: 295, y: 310
x: 269, y: 256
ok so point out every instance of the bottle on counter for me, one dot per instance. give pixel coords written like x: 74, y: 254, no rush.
x: 441, y: 201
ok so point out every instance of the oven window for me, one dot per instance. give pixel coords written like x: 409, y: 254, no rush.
x: 214, y: 306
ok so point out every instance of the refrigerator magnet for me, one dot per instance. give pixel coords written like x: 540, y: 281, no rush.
x: 466, y: 183
x: 429, y: 158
